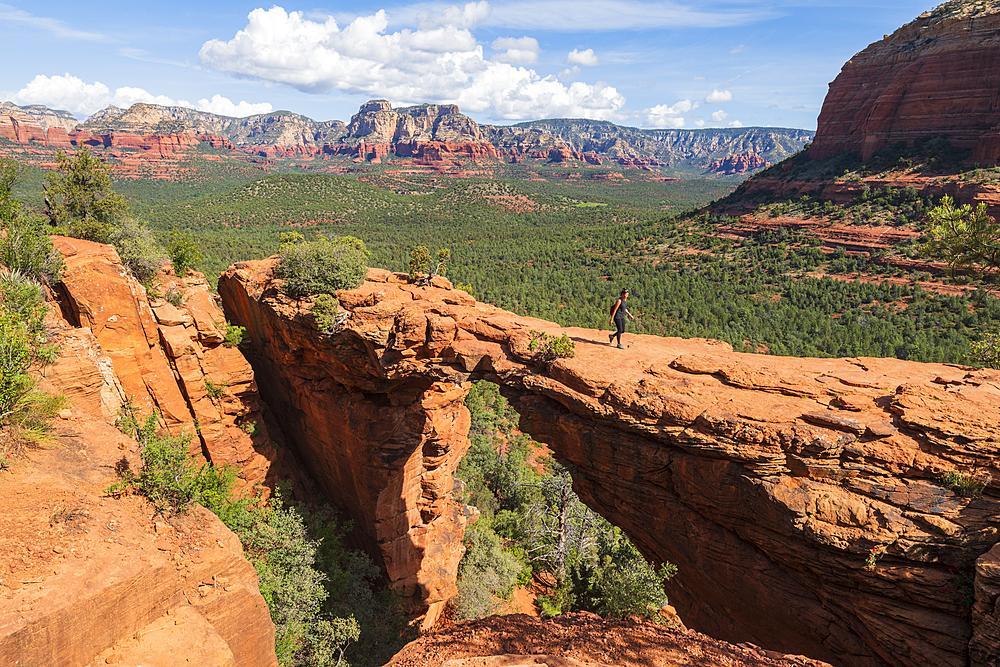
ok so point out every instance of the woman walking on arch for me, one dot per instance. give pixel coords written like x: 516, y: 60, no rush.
x: 618, y: 313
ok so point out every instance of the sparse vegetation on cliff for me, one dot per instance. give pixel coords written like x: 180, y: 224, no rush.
x: 532, y: 523
x: 321, y: 595
x: 25, y: 412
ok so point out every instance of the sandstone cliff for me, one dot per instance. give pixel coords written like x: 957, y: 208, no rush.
x: 86, y: 578
x: 119, y: 345
x: 800, y: 498
x: 936, y: 76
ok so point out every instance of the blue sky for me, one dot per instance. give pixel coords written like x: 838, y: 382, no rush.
x: 706, y: 63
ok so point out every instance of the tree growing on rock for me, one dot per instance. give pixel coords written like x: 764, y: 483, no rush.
x: 79, y: 198
x: 420, y: 263
x: 78, y: 194
x: 969, y: 240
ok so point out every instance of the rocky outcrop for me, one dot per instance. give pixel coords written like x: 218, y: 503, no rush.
x: 88, y: 579
x: 41, y: 115
x: 800, y: 498
x: 738, y: 164
x: 581, y: 640
x: 934, y: 77
x: 121, y: 345
x: 377, y: 122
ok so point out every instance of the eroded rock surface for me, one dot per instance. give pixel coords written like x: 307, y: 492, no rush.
x: 86, y: 579
x: 800, y: 498
x: 118, y: 345
x: 934, y: 77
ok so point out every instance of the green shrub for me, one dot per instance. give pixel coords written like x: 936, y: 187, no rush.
x: 234, y: 334
x: 966, y: 484
x: 215, y: 391
x: 329, y: 317
x: 25, y: 413
x: 25, y: 246
x: 986, y: 352
x: 136, y: 247
x: 485, y: 572
x: 183, y: 253
x: 547, y: 348
x: 167, y: 476
x: 322, y: 266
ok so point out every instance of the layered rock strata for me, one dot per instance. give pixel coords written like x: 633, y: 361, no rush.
x: 88, y: 579
x: 936, y: 76
x: 800, y: 498
x: 120, y: 345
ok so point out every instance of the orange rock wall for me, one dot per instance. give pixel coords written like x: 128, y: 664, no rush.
x: 384, y: 449
x: 928, y: 79
x: 118, y: 345
x: 769, y: 481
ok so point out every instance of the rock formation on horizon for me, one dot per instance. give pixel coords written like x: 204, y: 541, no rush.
x: 430, y: 134
x: 937, y: 76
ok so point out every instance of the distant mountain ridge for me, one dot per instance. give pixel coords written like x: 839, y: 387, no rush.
x: 429, y: 132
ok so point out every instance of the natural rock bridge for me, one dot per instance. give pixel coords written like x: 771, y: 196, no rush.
x: 768, y: 481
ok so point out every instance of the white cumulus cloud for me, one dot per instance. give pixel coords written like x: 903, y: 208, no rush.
x: 83, y: 99
x: 720, y: 115
x: 223, y: 106
x: 569, y: 73
x: 717, y: 96
x: 585, y: 58
x: 438, y: 62
x: 516, y: 50
x: 736, y: 123
x: 668, y: 116
x: 467, y: 17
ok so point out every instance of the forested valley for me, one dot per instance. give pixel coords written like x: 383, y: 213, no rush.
x: 562, y: 250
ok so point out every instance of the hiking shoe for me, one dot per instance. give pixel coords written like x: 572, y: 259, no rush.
x: 620, y: 346
x: 611, y: 338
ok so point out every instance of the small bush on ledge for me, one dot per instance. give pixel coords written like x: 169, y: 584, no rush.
x: 966, y: 484
x: 547, y: 348
x: 322, y: 266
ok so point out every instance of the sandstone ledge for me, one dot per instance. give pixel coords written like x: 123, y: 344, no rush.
x: 769, y: 481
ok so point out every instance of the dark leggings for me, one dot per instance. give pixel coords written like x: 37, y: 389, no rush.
x: 620, y: 323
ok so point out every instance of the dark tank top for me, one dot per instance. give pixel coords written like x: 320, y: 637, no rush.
x: 620, y: 313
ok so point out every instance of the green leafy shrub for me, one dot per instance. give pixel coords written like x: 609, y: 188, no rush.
x: 326, y: 310
x: 136, y: 247
x: 485, y: 573
x: 215, y: 391
x: 25, y: 245
x: 167, y: 476
x: 25, y: 412
x: 548, y: 348
x: 234, y: 334
x: 986, y: 352
x: 183, y: 253
x: 966, y: 484
x: 322, y: 266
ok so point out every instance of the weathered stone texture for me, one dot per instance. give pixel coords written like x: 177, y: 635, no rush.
x: 800, y: 498
x: 931, y: 78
